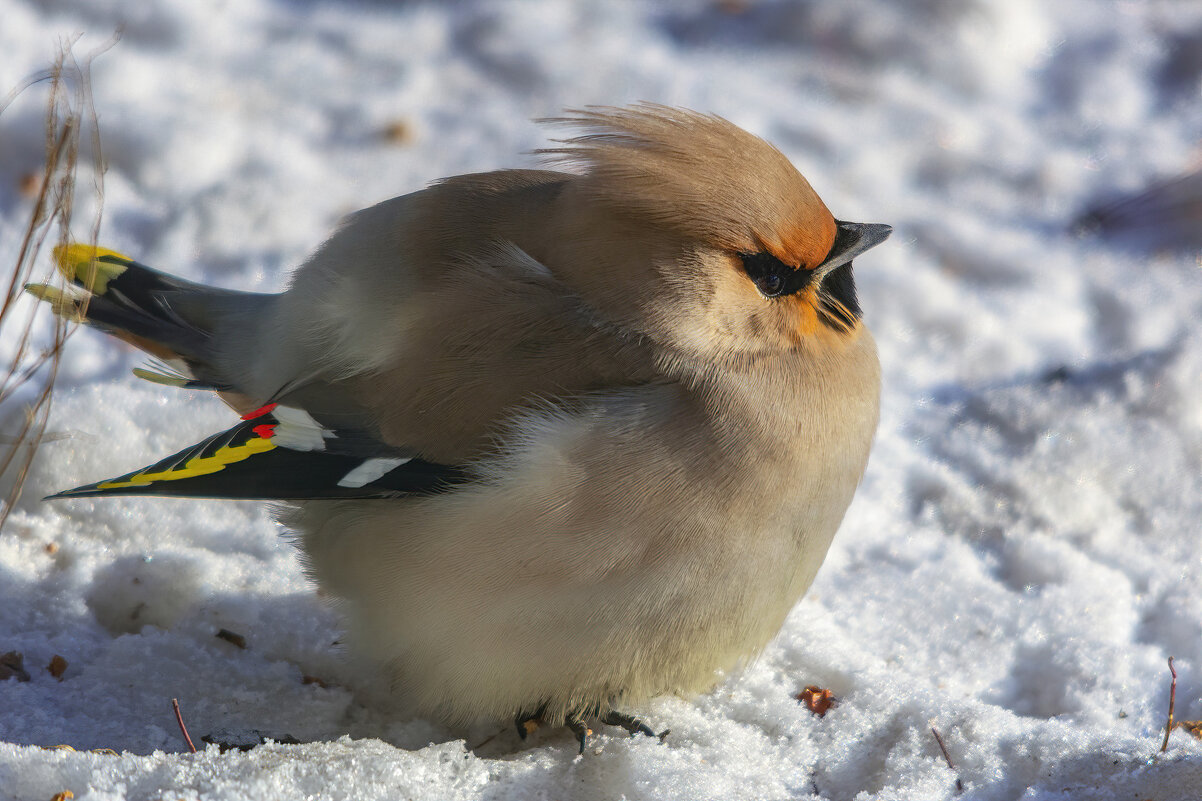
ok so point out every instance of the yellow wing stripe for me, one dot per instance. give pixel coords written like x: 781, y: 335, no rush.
x: 199, y: 466
x: 91, y: 266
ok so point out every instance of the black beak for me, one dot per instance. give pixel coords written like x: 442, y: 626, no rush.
x: 852, y: 239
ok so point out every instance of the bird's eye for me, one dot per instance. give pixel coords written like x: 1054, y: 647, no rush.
x: 771, y: 284
x: 770, y: 274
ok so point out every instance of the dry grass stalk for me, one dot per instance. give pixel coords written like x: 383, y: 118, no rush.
x: 179, y: 718
x: 27, y: 381
x: 1169, y: 724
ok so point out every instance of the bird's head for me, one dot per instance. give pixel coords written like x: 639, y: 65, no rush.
x: 704, y: 237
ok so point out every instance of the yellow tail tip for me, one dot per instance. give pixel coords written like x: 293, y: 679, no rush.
x: 44, y: 292
x: 63, y: 304
x: 89, y: 266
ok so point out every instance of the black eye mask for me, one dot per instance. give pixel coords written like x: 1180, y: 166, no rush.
x: 772, y: 276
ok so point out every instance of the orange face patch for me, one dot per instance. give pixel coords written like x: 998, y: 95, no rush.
x: 805, y: 314
x: 808, y: 321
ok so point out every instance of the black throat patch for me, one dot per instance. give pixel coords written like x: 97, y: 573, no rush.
x: 838, y: 306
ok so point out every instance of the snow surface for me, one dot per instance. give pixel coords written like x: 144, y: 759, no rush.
x: 1023, y: 555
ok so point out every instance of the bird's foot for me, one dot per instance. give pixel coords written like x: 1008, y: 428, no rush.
x: 632, y: 724
x: 576, y: 725
x: 525, y: 723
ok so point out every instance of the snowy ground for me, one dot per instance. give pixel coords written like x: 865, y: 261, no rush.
x: 1024, y: 554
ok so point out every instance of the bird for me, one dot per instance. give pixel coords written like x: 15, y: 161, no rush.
x: 559, y: 441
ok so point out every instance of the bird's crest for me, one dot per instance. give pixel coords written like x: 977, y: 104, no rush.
x: 701, y: 175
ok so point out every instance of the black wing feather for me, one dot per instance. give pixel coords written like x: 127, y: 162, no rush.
x: 244, y: 462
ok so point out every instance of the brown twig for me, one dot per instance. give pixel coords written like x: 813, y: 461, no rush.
x: 179, y: 718
x: 1168, y: 726
x: 948, y: 759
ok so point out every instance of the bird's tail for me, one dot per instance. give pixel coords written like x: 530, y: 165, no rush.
x: 277, y: 451
x: 171, y: 319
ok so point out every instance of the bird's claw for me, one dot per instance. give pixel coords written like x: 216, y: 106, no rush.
x: 577, y: 726
x: 632, y: 724
x: 525, y: 723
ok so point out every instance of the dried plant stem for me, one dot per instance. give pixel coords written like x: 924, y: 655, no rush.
x: 1168, y: 726
x: 69, y: 112
x: 179, y: 718
x: 947, y: 758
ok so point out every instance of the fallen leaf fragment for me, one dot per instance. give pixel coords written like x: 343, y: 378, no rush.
x: 1194, y: 727
x: 63, y: 796
x: 13, y: 664
x: 29, y: 184
x: 817, y: 700
x: 398, y: 132
x: 245, y: 739
x: 232, y: 637
x: 57, y: 667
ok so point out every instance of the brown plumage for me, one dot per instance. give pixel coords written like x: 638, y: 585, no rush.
x: 651, y: 379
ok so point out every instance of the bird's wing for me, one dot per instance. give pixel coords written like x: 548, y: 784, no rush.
x: 438, y: 315
x: 282, y: 453
x: 415, y: 332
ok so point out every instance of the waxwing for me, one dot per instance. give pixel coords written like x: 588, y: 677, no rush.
x: 559, y: 441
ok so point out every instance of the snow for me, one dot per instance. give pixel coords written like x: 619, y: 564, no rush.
x: 1023, y: 555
